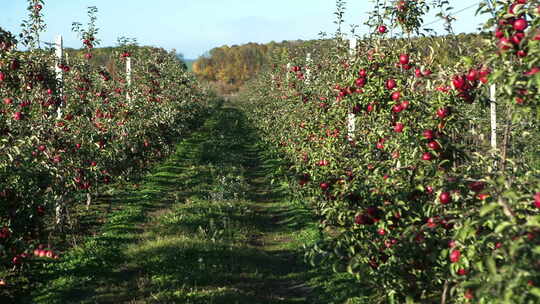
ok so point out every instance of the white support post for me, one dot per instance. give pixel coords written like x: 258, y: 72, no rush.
x: 493, y: 106
x: 128, y: 76
x: 352, y: 48
x: 351, y: 126
x: 289, y: 65
x: 351, y: 118
x: 59, y: 53
x: 308, y: 70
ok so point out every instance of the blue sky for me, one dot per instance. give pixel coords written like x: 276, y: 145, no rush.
x: 193, y: 27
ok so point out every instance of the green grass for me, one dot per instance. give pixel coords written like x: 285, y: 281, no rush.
x: 205, y: 226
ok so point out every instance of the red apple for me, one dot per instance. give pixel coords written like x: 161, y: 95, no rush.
x: 427, y: 156
x: 428, y: 134
x: 324, y: 186
x: 455, y: 255
x: 17, y: 116
x: 434, y: 145
x: 399, y: 127
x: 520, y: 24
x: 360, y: 82
x: 404, y: 58
x: 443, y: 113
x: 445, y: 198
x: 391, y: 84
x: 382, y: 29
x: 396, y: 95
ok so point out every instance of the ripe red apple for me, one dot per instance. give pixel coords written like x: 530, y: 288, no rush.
x: 458, y: 82
x: 2, y: 76
x: 537, y: 200
x: 38, y: 7
x: 360, y: 82
x: 505, y: 44
x: 445, y: 198
x: 397, y: 108
x: 324, y: 186
x: 399, y: 127
x: 8, y: 101
x: 17, y: 116
x: 323, y: 163
x: 443, y: 113
x: 462, y: 272
x: 404, y: 58
x: 396, y: 95
x: 517, y: 38
x: 520, y: 24
x: 521, y: 53
x: 427, y: 156
x: 472, y: 75
x: 16, y: 260
x: 428, y: 134
x: 382, y: 29
x: 41, y: 148
x: 405, y: 104
x: 434, y: 145
x: 391, y: 84
x: 455, y: 255
x: 362, y: 73
x: 381, y: 231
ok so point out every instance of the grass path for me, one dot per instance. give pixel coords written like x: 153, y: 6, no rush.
x: 206, y: 226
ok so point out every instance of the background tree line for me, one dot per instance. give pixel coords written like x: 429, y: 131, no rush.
x: 228, y: 68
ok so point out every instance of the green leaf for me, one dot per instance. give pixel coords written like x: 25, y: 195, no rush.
x: 536, y: 291
x: 488, y: 209
x: 492, y: 267
x: 502, y: 226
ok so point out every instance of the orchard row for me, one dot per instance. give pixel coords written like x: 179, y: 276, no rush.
x: 390, y: 149
x: 64, y: 140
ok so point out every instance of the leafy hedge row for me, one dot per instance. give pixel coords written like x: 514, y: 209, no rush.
x: 414, y: 202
